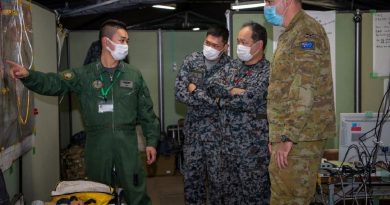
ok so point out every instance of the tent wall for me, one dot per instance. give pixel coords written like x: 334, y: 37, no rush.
x: 372, y: 88
x: 176, y: 45
x: 77, y: 51
x: 143, y: 55
x: 65, y: 102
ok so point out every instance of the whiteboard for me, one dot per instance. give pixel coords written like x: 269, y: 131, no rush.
x: 381, y: 44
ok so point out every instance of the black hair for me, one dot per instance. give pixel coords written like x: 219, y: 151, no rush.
x: 109, y: 27
x: 219, y: 31
x: 258, y: 32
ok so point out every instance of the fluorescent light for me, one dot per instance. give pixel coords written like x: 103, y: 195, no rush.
x: 196, y: 29
x: 247, y: 5
x: 164, y: 7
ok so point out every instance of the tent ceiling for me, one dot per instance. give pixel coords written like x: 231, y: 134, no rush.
x: 138, y: 14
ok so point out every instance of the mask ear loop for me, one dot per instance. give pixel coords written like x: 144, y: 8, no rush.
x: 257, y: 50
x: 112, y: 44
x: 285, y: 9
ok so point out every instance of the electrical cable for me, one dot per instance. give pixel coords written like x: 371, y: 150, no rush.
x: 23, y: 33
x: 367, y: 156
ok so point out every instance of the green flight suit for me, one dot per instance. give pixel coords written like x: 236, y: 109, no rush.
x: 111, y: 136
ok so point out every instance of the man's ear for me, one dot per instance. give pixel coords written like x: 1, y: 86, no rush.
x: 288, y: 2
x: 261, y: 45
x: 257, y: 46
x: 103, y: 41
x: 226, y: 48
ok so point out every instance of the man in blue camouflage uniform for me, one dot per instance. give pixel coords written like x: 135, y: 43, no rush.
x: 201, y: 147
x: 300, y: 102
x: 241, y: 90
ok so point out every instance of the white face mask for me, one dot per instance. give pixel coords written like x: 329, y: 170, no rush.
x: 210, y: 53
x: 120, y: 51
x: 244, y: 52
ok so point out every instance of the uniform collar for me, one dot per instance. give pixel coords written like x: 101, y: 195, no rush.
x: 296, y: 18
x: 259, y: 65
x: 100, y: 67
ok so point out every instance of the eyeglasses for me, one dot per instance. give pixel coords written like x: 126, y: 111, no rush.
x: 213, y: 45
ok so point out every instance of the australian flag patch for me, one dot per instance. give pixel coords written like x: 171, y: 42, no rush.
x: 307, y: 45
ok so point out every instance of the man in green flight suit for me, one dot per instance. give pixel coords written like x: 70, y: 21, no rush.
x: 113, y: 98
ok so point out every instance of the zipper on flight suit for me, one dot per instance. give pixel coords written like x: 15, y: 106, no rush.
x: 112, y: 93
x: 113, y: 103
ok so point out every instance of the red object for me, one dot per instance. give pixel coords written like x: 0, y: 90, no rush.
x: 356, y: 129
x: 35, y: 111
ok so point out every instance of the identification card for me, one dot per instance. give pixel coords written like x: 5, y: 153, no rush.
x: 105, y: 106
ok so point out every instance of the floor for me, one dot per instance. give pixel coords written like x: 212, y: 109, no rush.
x: 166, y: 190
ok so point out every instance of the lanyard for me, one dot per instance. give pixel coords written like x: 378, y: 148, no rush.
x: 105, y: 92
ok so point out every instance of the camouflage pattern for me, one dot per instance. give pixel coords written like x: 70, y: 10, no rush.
x: 300, y: 106
x: 245, y: 132
x: 300, y: 94
x: 296, y: 184
x: 201, y: 130
x: 199, y: 157
x: 73, y: 165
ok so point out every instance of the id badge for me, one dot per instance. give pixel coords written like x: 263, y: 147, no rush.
x: 105, y: 106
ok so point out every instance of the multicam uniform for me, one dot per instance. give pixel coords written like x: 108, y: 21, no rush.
x: 111, y: 135
x: 301, y: 107
x: 245, y: 132
x: 201, y: 147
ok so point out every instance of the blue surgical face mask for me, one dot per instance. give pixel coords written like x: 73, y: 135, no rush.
x: 272, y: 16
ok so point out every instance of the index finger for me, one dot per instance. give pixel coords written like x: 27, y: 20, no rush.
x: 12, y: 63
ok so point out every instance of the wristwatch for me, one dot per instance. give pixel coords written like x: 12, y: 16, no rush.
x: 284, y: 138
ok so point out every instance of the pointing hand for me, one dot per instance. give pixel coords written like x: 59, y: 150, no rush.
x: 16, y: 70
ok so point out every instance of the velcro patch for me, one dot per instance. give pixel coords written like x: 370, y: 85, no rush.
x: 67, y: 75
x: 126, y: 84
x: 307, y: 45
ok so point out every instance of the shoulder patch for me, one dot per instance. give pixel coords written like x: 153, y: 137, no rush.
x: 68, y: 75
x: 307, y: 45
x: 97, y: 84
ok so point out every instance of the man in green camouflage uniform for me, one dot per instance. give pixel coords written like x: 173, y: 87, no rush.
x: 300, y: 102
x: 113, y: 98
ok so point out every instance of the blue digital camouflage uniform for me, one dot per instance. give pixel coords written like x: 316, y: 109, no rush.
x: 245, y: 132
x: 201, y: 147
x: 301, y: 107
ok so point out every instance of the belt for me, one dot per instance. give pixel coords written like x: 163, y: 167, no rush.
x: 127, y: 126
